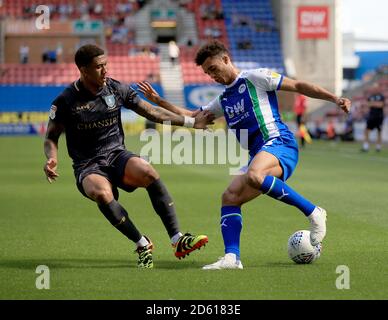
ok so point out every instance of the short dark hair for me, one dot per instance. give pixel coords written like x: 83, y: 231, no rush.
x: 86, y: 54
x: 210, y: 49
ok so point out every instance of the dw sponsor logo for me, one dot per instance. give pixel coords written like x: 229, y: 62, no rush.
x: 313, y: 22
x: 236, y: 109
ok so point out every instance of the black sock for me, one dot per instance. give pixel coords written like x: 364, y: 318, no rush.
x: 118, y: 217
x: 164, y: 206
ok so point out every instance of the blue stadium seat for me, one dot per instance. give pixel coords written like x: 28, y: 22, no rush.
x: 258, y: 28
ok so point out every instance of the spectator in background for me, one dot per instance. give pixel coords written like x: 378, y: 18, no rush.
x: 45, y: 58
x: 348, y: 134
x: 300, y: 110
x: 141, y: 3
x: 52, y: 56
x: 123, y: 8
x: 49, y: 56
x: 318, y: 132
x: 59, y: 52
x: 154, y: 50
x: 98, y: 9
x: 173, y: 51
x: 330, y: 130
x: 152, y: 78
x: 204, y: 11
x: 375, y: 117
x: 83, y: 10
x: 244, y: 44
x: 383, y: 69
x: 209, y: 11
x: 24, y: 52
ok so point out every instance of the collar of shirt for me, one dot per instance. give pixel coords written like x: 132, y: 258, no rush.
x: 234, y: 81
x: 81, y: 88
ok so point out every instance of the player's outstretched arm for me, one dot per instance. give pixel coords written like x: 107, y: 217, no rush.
x: 160, y: 115
x: 315, y: 91
x: 150, y: 93
x: 54, y: 130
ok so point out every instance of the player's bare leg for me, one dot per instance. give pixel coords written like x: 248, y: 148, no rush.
x: 237, y: 193
x: 141, y: 173
x: 262, y: 177
x: 264, y: 172
x: 99, y: 189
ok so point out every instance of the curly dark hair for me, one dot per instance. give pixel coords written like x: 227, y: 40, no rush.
x: 86, y: 54
x: 210, y: 49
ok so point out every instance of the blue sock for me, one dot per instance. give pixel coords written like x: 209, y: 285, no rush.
x: 278, y: 190
x: 231, y: 225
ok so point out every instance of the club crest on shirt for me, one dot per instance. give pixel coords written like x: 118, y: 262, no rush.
x: 110, y: 101
x: 242, y: 88
x: 53, y: 110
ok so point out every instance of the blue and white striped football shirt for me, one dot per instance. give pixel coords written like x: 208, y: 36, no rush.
x: 250, y: 103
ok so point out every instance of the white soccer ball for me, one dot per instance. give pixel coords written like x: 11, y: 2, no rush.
x: 300, y: 249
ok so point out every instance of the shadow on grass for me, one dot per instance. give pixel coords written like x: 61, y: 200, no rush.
x: 83, y: 263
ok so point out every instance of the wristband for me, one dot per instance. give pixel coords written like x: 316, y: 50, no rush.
x: 188, y: 122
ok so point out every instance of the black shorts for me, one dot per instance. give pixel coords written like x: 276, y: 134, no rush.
x: 375, y: 119
x: 111, y: 167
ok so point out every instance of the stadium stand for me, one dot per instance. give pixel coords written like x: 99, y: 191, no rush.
x: 72, y: 9
x: 209, y: 17
x: 253, y: 37
x: 191, y: 73
x: 248, y: 29
x: 128, y: 69
x: 127, y: 62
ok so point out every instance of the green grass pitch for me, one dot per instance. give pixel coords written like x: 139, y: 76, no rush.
x: 53, y: 225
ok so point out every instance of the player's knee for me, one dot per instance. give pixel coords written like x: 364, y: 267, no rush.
x: 254, y: 179
x: 101, y: 195
x: 231, y: 198
x: 149, y: 175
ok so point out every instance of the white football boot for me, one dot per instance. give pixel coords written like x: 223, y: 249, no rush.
x: 318, y: 225
x: 229, y: 261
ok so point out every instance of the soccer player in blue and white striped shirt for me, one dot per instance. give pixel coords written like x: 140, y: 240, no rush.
x: 249, y: 102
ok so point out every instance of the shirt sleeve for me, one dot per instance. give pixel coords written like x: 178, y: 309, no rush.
x: 130, y: 97
x: 214, y: 107
x: 58, y: 109
x: 265, y: 79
